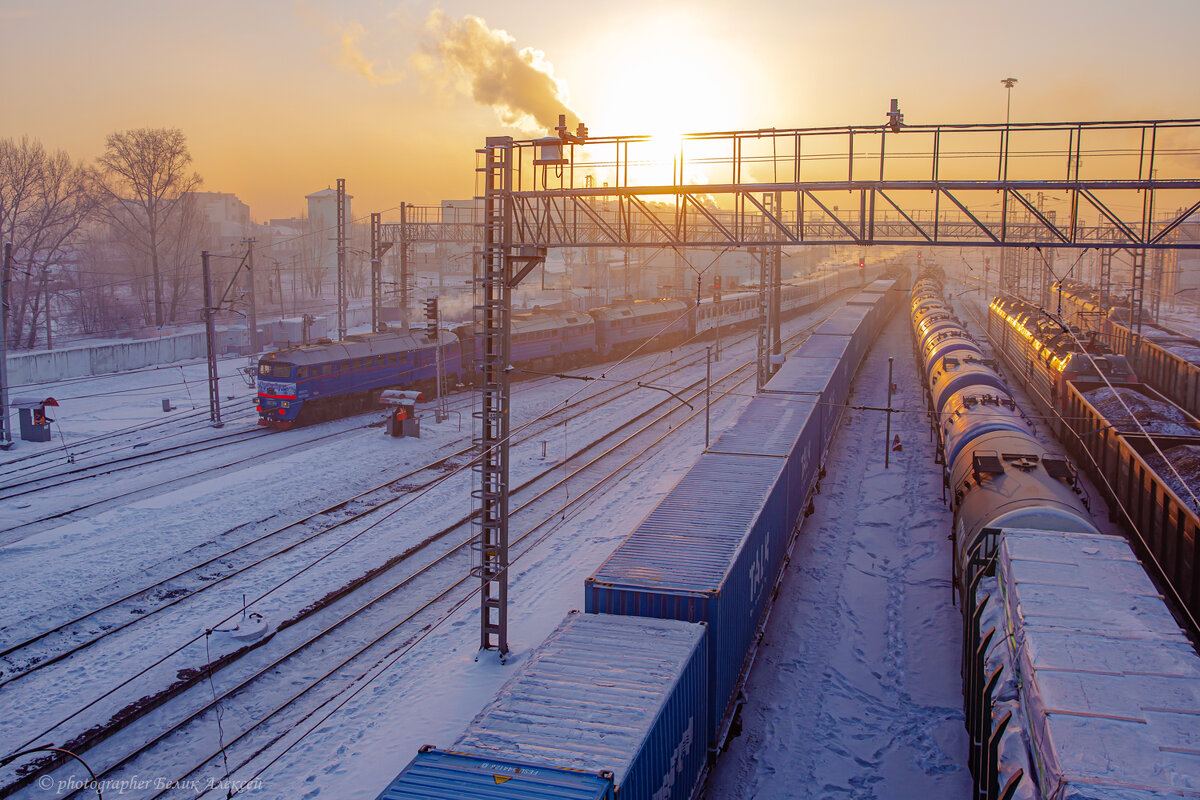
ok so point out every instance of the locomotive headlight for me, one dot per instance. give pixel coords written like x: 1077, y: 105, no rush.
x: 284, y: 404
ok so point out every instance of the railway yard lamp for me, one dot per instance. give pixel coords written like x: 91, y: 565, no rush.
x: 1008, y: 84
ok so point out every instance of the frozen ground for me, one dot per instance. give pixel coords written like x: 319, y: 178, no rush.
x: 436, y: 686
x: 855, y: 692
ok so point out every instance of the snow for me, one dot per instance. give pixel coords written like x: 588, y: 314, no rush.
x: 1153, y: 415
x: 855, y: 690
x: 439, y: 686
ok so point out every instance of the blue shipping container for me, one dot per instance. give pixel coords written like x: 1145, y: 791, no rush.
x: 690, y: 561
x: 873, y: 302
x: 781, y: 426
x: 441, y: 775
x: 824, y: 375
x: 824, y: 346
x: 619, y: 695
x: 844, y: 321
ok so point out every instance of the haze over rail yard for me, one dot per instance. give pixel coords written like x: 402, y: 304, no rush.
x: 689, y: 402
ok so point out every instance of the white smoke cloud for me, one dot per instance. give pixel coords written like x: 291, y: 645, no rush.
x: 460, y: 55
x: 351, y: 57
x: 349, y: 54
x: 485, y: 64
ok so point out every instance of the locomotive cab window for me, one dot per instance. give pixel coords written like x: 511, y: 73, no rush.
x: 279, y: 370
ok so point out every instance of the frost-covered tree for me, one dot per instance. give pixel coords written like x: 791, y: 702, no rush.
x: 145, y: 174
x: 45, y: 199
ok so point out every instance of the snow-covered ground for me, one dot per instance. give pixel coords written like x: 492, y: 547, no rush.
x: 436, y: 686
x: 855, y: 691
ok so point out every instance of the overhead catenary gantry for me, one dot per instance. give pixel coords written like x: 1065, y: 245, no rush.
x: 1106, y: 185
x: 421, y: 224
x: 1071, y: 184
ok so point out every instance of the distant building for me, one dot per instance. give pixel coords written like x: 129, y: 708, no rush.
x: 224, y: 218
x: 322, y: 217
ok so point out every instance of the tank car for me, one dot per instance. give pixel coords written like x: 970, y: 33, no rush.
x: 997, y: 474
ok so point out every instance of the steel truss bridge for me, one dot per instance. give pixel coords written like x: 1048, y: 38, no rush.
x: 1078, y: 184
x: 1098, y: 185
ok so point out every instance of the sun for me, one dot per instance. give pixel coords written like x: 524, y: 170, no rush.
x: 660, y: 78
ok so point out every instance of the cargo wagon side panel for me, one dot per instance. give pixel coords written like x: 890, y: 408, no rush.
x: 714, y: 565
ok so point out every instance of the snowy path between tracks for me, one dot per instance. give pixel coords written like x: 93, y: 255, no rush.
x: 855, y: 692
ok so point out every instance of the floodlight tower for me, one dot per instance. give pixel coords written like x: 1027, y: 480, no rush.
x: 1008, y: 84
x: 1005, y: 282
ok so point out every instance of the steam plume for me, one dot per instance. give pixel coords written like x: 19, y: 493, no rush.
x: 519, y: 85
x: 349, y: 54
x: 351, y: 57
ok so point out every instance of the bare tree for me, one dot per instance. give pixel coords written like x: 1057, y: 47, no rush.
x: 184, y: 241
x: 145, y: 174
x: 92, y: 294
x: 44, y: 201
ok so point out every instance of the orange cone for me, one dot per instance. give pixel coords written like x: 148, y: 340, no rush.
x: 896, y: 448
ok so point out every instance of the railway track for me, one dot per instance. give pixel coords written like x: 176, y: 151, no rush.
x: 70, y: 629
x: 37, y: 649
x: 178, y: 422
x: 31, y: 484
x: 307, y: 644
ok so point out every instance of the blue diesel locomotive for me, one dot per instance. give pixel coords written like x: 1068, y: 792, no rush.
x: 302, y: 385
x: 332, y: 379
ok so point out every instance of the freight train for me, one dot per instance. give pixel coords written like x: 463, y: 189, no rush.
x: 1077, y: 680
x: 301, y: 385
x: 1140, y: 448
x: 1167, y: 360
x: 632, y: 698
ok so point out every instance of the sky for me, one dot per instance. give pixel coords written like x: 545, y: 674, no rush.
x: 279, y: 98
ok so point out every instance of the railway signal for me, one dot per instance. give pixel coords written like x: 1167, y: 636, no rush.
x: 431, y: 316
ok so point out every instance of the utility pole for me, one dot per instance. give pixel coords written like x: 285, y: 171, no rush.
x: 494, y: 318
x: 376, y: 278
x: 250, y: 283
x: 341, y: 258
x: 214, y: 388
x: 279, y: 286
x: 887, y: 436
x: 707, y: 393
x: 776, y: 291
x: 625, y: 275
x: 1008, y: 83
x: 6, y: 440
x: 776, y: 307
x: 762, y: 256
x: 404, y: 262
x: 378, y: 248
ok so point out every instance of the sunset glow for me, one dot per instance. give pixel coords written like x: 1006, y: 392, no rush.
x: 280, y: 99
